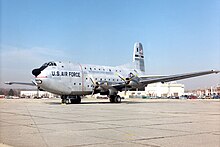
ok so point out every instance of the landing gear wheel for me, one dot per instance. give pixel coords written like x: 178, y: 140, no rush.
x: 117, y: 99
x: 112, y: 98
x: 76, y: 100
x: 64, y: 99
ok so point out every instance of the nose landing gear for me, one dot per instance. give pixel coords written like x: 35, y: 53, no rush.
x: 76, y: 99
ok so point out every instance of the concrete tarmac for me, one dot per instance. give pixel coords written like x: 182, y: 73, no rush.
x: 134, y: 122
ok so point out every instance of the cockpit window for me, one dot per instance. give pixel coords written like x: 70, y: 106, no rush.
x: 45, y: 65
x: 51, y: 64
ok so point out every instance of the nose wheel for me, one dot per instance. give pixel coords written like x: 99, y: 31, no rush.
x: 64, y: 99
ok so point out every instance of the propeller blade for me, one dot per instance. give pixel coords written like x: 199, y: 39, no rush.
x: 125, y: 90
x: 94, y: 83
x: 120, y: 76
x: 93, y: 91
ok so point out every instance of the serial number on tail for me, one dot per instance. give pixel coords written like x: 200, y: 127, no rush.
x: 65, y: 73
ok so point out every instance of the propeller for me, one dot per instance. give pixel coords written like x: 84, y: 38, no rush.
x: 94, y: 83
x: 97, y: 85
x: 126, y: 81
x: 131, y: 77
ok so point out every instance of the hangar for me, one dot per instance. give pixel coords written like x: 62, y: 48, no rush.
x: 170, y: 89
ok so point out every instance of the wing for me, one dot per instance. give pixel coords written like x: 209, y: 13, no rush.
x: 154, y: 79
x: 176, y: 77
x: 146, y: 77
x: 21, y: 83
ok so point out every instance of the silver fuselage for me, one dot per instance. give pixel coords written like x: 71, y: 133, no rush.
x: 68, y: 78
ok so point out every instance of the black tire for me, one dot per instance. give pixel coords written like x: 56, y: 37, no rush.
x: 117, y: 99
x: 64, y: 99
x: 72, y: 101
x: 77, y: 100
x: 112, y: 98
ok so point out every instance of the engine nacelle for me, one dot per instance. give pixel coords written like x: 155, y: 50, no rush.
x: 104, y: 92
x: 134, y: 84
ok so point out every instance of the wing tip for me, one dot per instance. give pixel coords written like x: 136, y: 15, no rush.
x: 8, y: 83
x: 215, y: 71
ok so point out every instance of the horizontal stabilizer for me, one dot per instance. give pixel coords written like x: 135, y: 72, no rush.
x: 21, y: 83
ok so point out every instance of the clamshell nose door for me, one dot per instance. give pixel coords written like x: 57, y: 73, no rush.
x: 36, y: 72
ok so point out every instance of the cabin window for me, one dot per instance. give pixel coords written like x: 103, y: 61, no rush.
x: 94, y: 68
x: 95, y: 78
x: 90, y: 68
x: 85, y: 67
x: 109, y: 79
x: 74, y: 83
x: 113, y: 79
x: 103, y: 69
x: 62, y: 66
x: 101, y: 79
x: 88, y: 86
x: 137, y: 49
x: 99, y: 69
x: 79, y: 83
x: 116, y: 70
x: 110, y: 70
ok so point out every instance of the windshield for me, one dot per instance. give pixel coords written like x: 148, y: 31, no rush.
x: 45, y: 65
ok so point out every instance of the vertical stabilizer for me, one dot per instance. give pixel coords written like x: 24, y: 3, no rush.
x: 138, y: 56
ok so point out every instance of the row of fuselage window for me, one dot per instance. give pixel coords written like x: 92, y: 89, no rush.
x: 101, y: 69
x: 90, y: 68
x: 100, y: 78
x: 99, y: 81
x: 81, y: 84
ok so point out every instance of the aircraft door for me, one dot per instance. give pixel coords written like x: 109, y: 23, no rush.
x: 75, y: 79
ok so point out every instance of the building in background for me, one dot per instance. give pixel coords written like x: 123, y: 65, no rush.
x: 171, y: 89
x: 211, y: 91
x: 157, y: 90
x: 37, y: 94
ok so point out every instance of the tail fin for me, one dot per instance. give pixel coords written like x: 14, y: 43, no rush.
x: 138, y: 57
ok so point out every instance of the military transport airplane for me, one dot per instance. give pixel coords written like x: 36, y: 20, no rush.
x: 73, y: 80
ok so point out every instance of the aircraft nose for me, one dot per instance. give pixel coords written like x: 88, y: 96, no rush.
x: 36, y: 72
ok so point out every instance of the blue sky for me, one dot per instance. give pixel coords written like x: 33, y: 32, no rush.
x: 178, y: 36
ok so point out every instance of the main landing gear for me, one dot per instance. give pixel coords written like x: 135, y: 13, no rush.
x: 76, y: 99
x: 115, y: 98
